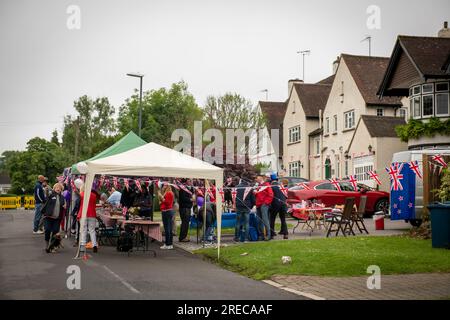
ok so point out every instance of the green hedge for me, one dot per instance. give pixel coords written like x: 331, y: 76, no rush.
x: 415, y: 129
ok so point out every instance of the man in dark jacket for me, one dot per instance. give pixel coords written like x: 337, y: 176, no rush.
x: 278, y: 206
x: 245, y: 200
x: 185, y: 200
x: 39, y: 199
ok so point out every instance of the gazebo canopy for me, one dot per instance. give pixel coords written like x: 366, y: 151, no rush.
x: 127, y: 142
x: 156, y: 161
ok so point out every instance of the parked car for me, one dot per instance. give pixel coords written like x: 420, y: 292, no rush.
x: 292, y: 181
x: 328, y: 194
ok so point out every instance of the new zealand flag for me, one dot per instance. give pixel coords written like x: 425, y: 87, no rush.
x: 403, y: 197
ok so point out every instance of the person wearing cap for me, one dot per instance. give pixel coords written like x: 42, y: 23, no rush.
x: 278, y: 207
x: 264, y: 197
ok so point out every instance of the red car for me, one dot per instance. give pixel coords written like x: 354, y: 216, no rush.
x: 328, y: 194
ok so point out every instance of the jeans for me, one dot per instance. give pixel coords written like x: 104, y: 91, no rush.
x: 242, y: 220
x: 185, y: 215
x: 37, y: 216
x: 167, y: 217
x: 51, y: 227
x: 263, y: 223
x: 282, y: 211
x: 89, y: 226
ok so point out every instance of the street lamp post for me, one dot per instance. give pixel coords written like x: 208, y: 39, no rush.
x: 303, y: 53
x: 140, y: 76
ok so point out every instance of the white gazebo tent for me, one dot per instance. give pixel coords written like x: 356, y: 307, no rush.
x: 153, y: 160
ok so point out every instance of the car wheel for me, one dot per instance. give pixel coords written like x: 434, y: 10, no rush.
x: 415, y: 222
x: 382, y: 205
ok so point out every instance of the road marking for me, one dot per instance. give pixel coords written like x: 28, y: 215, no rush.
x: 124, y: 282
x: 299, y: 293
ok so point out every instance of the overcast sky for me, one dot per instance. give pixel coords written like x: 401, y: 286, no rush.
x: 215, y: 46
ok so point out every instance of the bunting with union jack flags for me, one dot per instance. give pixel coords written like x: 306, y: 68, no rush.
x: 403, y: 191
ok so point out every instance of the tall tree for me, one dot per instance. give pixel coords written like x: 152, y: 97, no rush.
x: 163, y: 111
x: 41, y: 157
x: 92, y: 126
x: 232, y: 111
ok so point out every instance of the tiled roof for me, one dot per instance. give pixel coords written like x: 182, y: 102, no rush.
x: 274, y: 112
x: 312, y: 97
x: 382, y: 126
x: 368, y: 73
x: 328, y: 80
x: 429, y: 54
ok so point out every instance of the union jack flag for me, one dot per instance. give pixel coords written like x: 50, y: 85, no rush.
x: 396, y: 176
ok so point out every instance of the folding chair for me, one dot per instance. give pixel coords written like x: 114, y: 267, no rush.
x: 358, y: 216
x: 105, y: 232
x: 343, y: 221
x: 302, y: 218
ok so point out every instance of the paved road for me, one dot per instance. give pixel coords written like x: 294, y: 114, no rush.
x: 27, y: 272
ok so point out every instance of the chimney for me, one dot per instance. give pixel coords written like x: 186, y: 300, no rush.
x: 444, y: 32
x: 291, y: 83
x: 335, y: 64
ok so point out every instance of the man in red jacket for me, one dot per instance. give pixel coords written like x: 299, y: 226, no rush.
x: 264, y: 197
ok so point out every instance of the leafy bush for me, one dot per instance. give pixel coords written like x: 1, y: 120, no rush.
x: 444, y: 191
x: 415, y: 129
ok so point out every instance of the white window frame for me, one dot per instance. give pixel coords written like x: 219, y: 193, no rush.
x: 327, y: 125
x: 448, y: 104
x: 292, y: 132
x: 335, y: 123
x: 294, y: 169
x: 413, y: 111
x: 416, y: 93
x: 432, y: 106
x: 427, y: 85
x: 317, y: 146
x: 347, y: 124
x: 382, y: 112
x: 438, y: 83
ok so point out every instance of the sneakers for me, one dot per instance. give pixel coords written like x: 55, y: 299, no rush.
x: 38, y: 232
x: 164, y: 247
x: 95, y: 249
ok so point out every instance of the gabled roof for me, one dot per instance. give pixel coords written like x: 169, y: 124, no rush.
x: 429, y: 56
x: 328, y: 80
x: 316, y: 132
x: 274, y: 113
x: 368, y: 73
x: 313, y: 97
x: 378, y: 127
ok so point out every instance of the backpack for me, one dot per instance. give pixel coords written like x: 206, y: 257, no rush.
x: 125, y: 240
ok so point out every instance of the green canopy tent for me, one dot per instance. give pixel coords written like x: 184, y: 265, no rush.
x: 127, y: 142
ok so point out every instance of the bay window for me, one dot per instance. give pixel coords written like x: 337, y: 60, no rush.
x: 442, y: 103
x: 427, y: 105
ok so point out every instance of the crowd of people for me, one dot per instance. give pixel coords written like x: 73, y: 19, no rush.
x: 264, y: 197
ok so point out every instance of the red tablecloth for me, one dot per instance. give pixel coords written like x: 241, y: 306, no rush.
x: 151, y: 228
